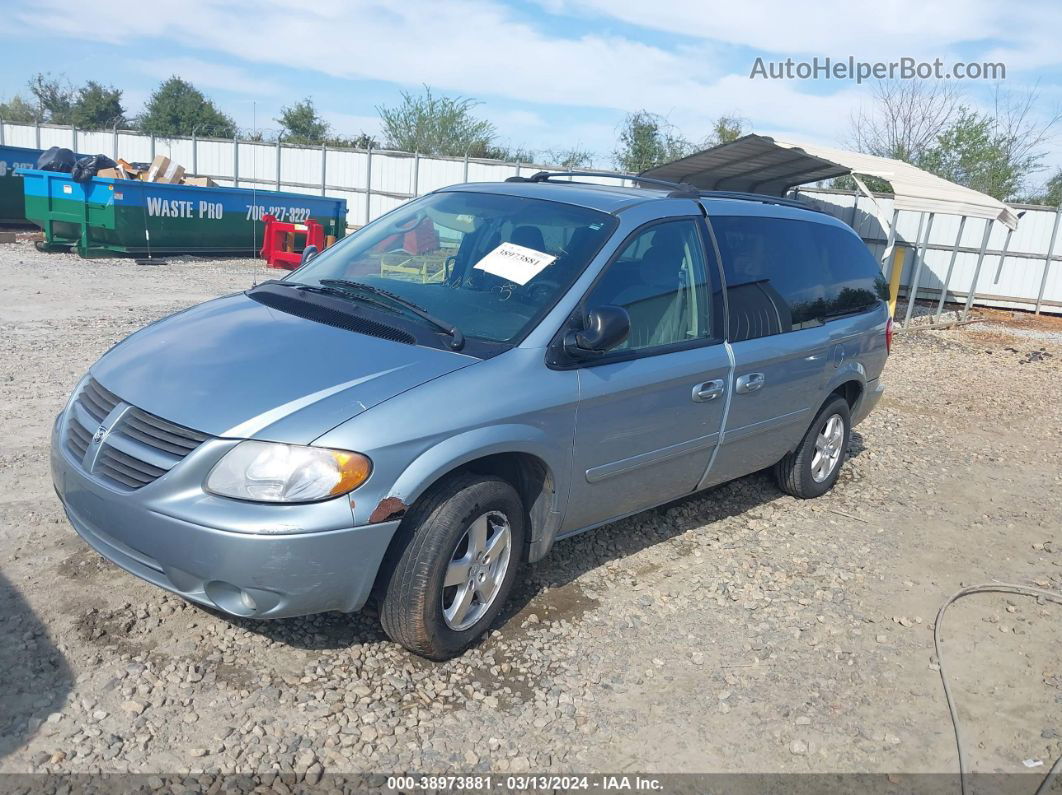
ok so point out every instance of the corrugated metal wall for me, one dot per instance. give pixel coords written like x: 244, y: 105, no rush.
x: 1013, y: 269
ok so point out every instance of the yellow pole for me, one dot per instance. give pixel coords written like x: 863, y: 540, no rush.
x: 898, y: 255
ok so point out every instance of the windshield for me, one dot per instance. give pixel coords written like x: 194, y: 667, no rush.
x: 490, y: 265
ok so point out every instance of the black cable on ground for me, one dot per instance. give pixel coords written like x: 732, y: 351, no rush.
x: 1017, y: 590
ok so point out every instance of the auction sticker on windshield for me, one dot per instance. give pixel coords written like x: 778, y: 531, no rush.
x: 515, y: 263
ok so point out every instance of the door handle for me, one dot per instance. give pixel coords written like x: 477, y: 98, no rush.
x: 709, y: 390
x: 749, y: 383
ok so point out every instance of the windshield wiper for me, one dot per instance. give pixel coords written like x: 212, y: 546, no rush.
x: 457, y: 339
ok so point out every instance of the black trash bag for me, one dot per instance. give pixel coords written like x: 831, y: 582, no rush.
x: 86, y: 168
x: 57, y: 159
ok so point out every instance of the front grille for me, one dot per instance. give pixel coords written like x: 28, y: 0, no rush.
x: 138, y: 448
x: 97, y: 401
x: 162, y: 435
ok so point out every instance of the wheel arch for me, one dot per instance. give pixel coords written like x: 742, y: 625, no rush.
x: 849, y: 381
x: 519, y: 455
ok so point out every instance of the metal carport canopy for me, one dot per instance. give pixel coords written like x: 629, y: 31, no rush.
x: 760, y: 164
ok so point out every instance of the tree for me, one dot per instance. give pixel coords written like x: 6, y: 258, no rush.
x: 177, y: 107
x: 994, y: 152
x: 727, y: 128
x: 55, y: 98
x: 97, y: 107
x: 1051, y: 194
x: 360, y: 141
x: 906, y: 119
x: 925, y: 124
x: 302, y: 124
x: 647, y: 140
x: 510, y: 154
x: 574, y: 158
x: 91, y: 107
x: 970, y: 153
x: 18, y: 111
x: 434, y: 125
x: 1020, y: 134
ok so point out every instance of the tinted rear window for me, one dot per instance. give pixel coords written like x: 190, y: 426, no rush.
x: 854, y: 280
x: 784, y: 275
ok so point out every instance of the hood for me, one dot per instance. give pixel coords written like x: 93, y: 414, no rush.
x: 233, y: 367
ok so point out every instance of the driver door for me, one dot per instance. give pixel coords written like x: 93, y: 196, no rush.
x: 651, y: 410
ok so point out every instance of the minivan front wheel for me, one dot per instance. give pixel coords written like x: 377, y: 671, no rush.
x: 456, y: 571
x: 813, y: 468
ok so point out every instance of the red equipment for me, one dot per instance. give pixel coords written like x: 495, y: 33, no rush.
x: 278, y: 243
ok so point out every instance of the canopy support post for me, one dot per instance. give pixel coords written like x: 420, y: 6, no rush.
x: 879, y: 213
x: 1047, y: 260
x: 919, y: 257
x: 951, y: 267
x: 977, y: 270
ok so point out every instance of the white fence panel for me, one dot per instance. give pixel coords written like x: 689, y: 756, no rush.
x: 437, y: 173
x: 134, y: 148
x: 258, y: 164
x: 56, y: 136
x: 19, y: 135
x: 392, y: 173
x: 300, y: 166
x: 179, y: 150
x: 215, y: 159
x: 1011, y: 270
x: 345, y: 169
x: 95, y: 143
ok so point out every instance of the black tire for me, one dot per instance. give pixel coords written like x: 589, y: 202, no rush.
x: 794, y: 472
x: 411, y: 609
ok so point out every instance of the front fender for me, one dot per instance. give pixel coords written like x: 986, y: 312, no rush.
x: 453, y: 452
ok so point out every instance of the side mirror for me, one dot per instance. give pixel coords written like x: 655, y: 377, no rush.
x: 308, y: 254
x: 606, y: 327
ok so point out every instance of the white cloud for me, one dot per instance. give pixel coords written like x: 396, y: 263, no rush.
x: 472, y: 46
x: 350, y: 124
x: 479, y: 48
x: 868, y: 31
x: 206, y: 74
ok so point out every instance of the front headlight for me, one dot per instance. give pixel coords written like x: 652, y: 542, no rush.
x: 273, y: 472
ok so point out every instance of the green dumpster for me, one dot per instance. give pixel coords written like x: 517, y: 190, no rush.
x: 12, y: 209
x: 104, y: 217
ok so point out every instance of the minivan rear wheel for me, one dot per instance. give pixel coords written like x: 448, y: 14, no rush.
x: 813, y: 468
x: 455, y: 573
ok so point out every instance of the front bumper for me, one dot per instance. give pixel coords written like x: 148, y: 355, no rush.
x: 254, y: 574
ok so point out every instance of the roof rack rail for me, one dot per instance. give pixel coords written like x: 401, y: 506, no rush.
x: 758, y: 197
x: 679, y: 189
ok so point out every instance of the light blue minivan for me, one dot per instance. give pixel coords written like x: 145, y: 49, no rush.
x: 435, y: 400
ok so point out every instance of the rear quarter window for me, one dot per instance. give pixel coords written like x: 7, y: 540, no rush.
x: 775, y: 275
x: 785, y: 274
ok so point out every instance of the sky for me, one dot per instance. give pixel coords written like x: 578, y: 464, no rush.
x: 551, y: 74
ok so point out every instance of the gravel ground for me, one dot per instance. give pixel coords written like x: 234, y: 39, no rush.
x: 738, y: 630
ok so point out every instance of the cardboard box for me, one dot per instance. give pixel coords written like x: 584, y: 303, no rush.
x: 158, y: 166
x: 132, y: 171
x: 113, y: 173
x: 200, y: 182
x: 172, y: 175
x: 165, y: 170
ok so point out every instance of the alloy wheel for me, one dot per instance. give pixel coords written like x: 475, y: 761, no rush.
x: 476, y: 570
x: 828, y: 448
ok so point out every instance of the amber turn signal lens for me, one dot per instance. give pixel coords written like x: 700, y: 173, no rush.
x: 354, y: 469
